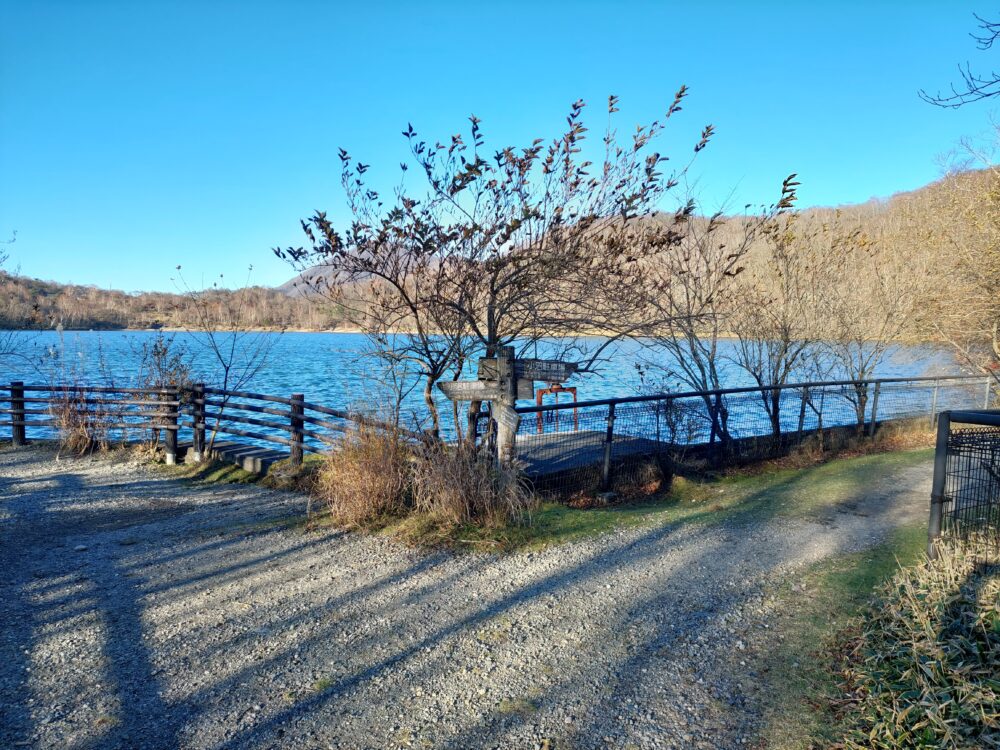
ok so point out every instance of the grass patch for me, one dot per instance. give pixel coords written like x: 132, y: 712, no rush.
x: 802, y: 691
x: 517, y: 707
x: 774, y: 491
x: 211, y: 472
x: 322, y: 685
x: 284, y: 475
x: 760, y: 493
x: 281, y: 475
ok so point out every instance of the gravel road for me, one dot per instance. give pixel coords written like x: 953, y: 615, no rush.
x: 142, y: 612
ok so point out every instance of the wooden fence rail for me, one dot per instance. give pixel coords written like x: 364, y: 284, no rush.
x: 290, y: 422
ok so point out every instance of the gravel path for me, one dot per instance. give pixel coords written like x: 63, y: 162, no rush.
x: 139, y: 612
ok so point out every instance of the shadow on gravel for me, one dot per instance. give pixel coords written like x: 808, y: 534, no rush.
x: 665, y: 634
x: 39, y: 520
x: 384, y: 630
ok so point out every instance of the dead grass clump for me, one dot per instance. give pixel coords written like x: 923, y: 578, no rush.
x: 147, y: 451
x: 649, y: 478
x: 923, y: 666
x: 463, y: 485
x: 284, y: 475
x: 366, y: 478
x: 83, y: 425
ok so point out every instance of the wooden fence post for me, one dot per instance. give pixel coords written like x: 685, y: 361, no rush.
x: 198, y: 419
x: 938, y: 484
x: 298, y: 409
x: 934, y: 400
x: 608, y: 439
x: 170, y: 433
x: 871, y: 427
x: 18, y: 431
x: 507, y: 420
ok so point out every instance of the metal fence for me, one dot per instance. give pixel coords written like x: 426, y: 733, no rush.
x: 626, y: 442
x: 965, y: 494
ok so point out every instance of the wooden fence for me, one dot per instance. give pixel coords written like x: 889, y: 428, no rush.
x: 292, y: 422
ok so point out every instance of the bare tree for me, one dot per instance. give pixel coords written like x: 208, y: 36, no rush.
x: 868, y: 304
x: 532, y: 246
x: 222, y: 331
x: 963, y: 308
x: 776, y: 318
x: 973, y: 86
x: 387, y: 378
x: 690, y: 291
x: 390, y: 282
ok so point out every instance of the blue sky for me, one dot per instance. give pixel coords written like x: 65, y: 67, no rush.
x: 136, y: 136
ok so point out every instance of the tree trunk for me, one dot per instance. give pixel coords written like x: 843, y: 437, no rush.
x: 432, y: 408
x: 774, y: 411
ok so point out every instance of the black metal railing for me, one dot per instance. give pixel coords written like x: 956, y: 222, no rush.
x: 596, y: 444
x: 965, y: 493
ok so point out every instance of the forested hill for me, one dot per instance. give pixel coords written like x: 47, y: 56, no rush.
x: 909, y: 228
x: 30, y: 303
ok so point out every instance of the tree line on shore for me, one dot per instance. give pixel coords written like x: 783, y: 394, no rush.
x: 27, y: 303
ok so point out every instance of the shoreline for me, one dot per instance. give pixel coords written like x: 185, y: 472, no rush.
x: 354, y: 330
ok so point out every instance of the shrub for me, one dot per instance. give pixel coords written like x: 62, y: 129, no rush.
x: 367, y: 477
x: 460, y: 484
x: 925, y: 667
x: 83, y: 425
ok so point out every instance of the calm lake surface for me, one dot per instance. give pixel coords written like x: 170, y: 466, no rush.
x: 332, y: 368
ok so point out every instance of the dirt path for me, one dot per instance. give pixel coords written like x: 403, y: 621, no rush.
x: 139, y: 612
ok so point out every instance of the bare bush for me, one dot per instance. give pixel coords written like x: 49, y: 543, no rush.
x: 83, y: 424
x: 163, y: 364
x: 460, y: 484
x: 225, y: 330
x: 367, y: 477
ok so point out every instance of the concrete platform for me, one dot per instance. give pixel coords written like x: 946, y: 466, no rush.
x: 250, y: 458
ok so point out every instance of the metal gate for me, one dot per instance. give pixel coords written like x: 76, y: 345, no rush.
x: 965, y: 495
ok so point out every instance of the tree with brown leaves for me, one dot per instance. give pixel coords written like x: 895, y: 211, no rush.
x: 525, y: 247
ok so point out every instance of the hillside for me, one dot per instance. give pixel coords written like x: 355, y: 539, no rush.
x: 911, y: 228
x: 31, y: 303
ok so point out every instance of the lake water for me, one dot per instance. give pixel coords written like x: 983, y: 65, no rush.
x: 332, y: 369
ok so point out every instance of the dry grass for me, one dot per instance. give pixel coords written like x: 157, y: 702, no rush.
x: 924, y: 665
x: 366, y: 478
x: 83, y: 427
x: 839, y: 443
x: 375, y: 477
x: 462, y: 485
